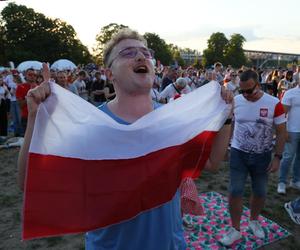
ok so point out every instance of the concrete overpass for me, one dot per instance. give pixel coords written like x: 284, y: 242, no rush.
x: 261, y: 58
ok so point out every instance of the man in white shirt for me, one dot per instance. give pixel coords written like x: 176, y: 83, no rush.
x: 291, y: 104
x: 80, y: 85
x: 296, y: 75
x: 233, y: 84
x: 255, y: 113
x: 176, y: 89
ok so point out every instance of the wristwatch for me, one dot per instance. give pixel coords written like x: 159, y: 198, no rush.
x: 279, y: 156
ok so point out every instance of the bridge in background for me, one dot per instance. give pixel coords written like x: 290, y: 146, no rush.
x: 261, y: 58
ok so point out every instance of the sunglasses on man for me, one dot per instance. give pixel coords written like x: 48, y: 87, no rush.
x: 248, y: 91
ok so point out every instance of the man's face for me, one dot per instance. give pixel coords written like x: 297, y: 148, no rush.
x: 250, y: 90
x: 211, y: 76
x: 131, y: 74
x: 218, y: 68
x: 30, y: 76
x: 61, y: 79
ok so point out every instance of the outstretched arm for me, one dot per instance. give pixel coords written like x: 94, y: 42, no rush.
x: 34, y: 98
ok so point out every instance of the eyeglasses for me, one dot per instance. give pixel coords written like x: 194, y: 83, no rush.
x: 248, y: 91
x: 131, y: 52
x: 31, y: 74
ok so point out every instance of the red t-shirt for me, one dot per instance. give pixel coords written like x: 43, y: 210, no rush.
x: 21, y: 92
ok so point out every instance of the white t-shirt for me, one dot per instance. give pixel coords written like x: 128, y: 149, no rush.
x: 80, y: 85
x: 296, y: 77
x: 169, y: 92
x: 234, y: 88
x: 292, y: 98
x: 253, y: 127
x: 13, y: 87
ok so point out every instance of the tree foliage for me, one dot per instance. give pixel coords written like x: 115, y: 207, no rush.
x: 29, y: 35
x: 175, y: 51
x: 103, y: 37
x: 216, y: 46
x: 228, y: 52
x: 162, y: 51
x: 234, y: 54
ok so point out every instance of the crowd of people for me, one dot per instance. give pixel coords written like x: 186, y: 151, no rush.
x: 264, y: 101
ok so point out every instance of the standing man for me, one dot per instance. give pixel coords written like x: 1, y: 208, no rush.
x: 62, y: 80
x: 130, y: 68
x: 80, y: 84
x: 233, y: 84
x: 169, y: 78
x: 218, y: 70
x: 255, y: 115
x: 21, y: 92
x: 291, y: 104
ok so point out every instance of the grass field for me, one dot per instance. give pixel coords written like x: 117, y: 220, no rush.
x: 11, y: 207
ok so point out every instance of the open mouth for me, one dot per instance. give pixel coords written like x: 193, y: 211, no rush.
x: 142, y: 69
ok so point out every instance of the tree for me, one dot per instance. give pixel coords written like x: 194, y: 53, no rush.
x: 197, y: 63
x: 175, y: 51
x: 160, y: 47
x: 3, y: 58
x: 234, y: 54
x: 103, y: 37
x: 33, y: 36
x: 216, y: 47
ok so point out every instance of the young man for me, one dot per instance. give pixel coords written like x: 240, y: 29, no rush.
x: 255, y: 114
x: 291, y: 154
x: 62, y: 80
x: 131, y: 70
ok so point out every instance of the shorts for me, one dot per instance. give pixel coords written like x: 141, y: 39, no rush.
x: 242, y: 164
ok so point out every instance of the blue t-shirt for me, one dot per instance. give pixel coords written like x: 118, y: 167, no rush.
x: 157, y: 229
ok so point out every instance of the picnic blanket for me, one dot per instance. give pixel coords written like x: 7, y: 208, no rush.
x: 210, y: 227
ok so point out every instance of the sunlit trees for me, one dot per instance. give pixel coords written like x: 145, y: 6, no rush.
x: 216, y: 46
x: 220, y: 49
x: 162, y: 51
x: 234, y: 54
x: 103, y: 37
x: 29, y: 35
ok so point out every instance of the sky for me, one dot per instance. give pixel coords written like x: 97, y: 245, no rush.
x: 266, y: 25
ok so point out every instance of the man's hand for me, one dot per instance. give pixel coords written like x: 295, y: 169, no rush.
x: 227, y: 95
x: 274, y: 165
x: 38, y: 94
x: 209, y: 166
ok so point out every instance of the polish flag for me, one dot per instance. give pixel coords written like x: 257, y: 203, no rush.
x: 86, y: 171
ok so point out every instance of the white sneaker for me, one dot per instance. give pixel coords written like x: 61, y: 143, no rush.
x: 294, y: 216
x: 230, y: 237
x: 295, y: 185
x: 281, y: 189
x: 257, y: 229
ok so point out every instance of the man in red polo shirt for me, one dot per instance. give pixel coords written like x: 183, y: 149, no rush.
x: 21, y: 92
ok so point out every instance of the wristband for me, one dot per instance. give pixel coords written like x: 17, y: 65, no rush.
x: 228, y: 121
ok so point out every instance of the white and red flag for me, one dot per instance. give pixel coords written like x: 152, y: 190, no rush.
x: 87, y: 171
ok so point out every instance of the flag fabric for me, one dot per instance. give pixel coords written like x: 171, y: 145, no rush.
x: 86, y: 171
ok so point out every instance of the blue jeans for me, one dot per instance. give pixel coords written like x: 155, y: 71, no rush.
x: 16, y: 116
x: 242, y: 164
x: 291, y: 151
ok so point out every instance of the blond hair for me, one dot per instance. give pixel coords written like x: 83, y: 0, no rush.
x: 123, y: 34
